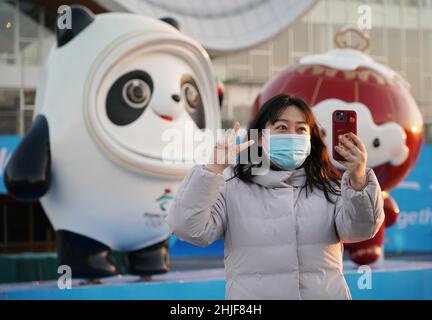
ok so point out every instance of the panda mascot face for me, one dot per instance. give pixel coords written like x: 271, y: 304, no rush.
x: 134, y: 77
x: 143, y: 84
x: 111, y: 88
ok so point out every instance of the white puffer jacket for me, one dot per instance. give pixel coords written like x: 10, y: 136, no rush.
x: 278, y: 243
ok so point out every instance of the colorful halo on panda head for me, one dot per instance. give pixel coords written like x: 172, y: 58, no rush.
x: 139, y: 44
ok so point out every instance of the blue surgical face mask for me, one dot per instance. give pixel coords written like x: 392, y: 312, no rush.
x: 289, y: 151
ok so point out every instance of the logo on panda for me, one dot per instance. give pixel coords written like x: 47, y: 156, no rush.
x: 165, y: 199
x: 158, y: 219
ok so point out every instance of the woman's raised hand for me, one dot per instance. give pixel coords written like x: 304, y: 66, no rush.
x: 354, y: 151
x: 225, y: 151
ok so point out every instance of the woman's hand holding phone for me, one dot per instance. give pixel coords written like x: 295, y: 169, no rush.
x: 354, y: 151
x: 225, y: 151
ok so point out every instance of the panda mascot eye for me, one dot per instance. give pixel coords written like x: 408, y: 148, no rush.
x: 128, y: 97
x: 136, y: 93
x: 192, y: 97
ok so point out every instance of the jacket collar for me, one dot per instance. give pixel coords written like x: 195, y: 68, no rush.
x: 281, y: 179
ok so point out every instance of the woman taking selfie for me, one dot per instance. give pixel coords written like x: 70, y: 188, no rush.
x: 283, y: 230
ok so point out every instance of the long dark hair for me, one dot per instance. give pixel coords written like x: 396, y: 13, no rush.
x: 320, y: 172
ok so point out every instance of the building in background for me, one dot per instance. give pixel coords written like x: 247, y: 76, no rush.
x: 26, y: 35
x: 401, y: 37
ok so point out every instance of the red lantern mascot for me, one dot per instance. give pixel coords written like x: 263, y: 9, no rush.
x: 389, y: 121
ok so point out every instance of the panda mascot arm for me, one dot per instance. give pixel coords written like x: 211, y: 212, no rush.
x: 28, y: 171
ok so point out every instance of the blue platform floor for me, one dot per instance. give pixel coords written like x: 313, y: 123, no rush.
x: 390, y: 279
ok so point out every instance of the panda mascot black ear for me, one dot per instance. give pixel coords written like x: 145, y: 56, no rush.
x: 80, y: 17
x: 171, y: 21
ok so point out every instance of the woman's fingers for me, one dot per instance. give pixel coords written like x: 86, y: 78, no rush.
x: 220, y: 144
x: 233, y: 134
x: 344, y: 153
x: 244, y: 145
x: 357, y: 141
x: 230, y: 138
x: 227, y: 148
x: 351, y: 147
x: 343, y: 163
x: 357, y: 150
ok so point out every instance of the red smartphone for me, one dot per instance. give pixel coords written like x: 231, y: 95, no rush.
x: 344, y: 121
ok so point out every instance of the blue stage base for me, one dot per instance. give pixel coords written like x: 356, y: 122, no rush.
x: 391, y: 280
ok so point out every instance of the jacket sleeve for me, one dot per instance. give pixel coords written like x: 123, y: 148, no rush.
x: 359, y: 214
x: 198, y: 213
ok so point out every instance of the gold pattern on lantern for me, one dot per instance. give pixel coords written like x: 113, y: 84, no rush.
x: 353, y: 38
x: 302, y: 69
x: 350, y: 75
x: 361, y: 75
x: 378, y: 78
x: 364, y: 75
x: 330, y: 72
x: 317, y: 70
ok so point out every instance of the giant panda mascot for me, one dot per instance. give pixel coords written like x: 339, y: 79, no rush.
x: 112, y: 86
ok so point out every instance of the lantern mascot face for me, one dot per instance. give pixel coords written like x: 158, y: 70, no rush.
x: 389, y: 121
x: 112, y: 86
